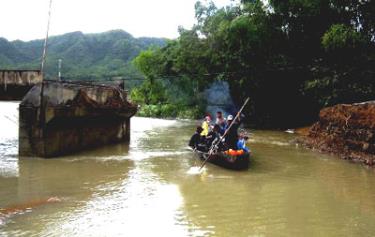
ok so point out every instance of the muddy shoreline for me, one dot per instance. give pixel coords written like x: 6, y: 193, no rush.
x: 344, y: 130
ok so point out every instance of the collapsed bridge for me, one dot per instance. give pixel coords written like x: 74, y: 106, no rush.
x: 57, y: 118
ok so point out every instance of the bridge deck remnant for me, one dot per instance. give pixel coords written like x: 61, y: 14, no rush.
x: 14, y: 84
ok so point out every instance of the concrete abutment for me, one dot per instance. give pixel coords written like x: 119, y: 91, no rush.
x: 73, y: 117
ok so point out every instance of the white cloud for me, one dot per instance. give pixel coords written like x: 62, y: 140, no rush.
x: 27, y: 19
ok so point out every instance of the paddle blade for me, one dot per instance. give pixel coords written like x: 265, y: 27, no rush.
x: 195, y: 171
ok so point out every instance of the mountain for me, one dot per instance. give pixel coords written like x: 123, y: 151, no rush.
x: 84, y: 56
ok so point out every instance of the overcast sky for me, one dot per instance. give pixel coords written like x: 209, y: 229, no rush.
x: 27, y: 19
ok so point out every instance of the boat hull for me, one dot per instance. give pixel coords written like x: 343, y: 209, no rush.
x: 241, y: 162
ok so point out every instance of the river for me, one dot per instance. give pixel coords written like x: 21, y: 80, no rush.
x: 145, y: 189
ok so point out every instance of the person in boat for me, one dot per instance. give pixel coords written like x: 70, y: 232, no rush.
x: 214, y: 136
x: 220, y: 120
x: 241, y: 144
x: 206, y: 126
x: 232, y: 134
x: 196, y: 139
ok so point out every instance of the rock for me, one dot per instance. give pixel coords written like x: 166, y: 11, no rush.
x: 346, y: 130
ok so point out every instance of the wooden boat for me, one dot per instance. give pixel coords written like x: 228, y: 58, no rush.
x: 221, y: 159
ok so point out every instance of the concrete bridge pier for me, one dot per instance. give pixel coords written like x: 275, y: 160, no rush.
x: 73, y: 117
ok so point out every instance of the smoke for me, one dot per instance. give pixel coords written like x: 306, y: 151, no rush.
x: 219, y: 99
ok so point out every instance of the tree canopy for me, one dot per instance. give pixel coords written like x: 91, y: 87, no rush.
x: 291, y: 57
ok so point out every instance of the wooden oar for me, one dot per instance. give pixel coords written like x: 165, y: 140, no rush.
x: 225, y: 133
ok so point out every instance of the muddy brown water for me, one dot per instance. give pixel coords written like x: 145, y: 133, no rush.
x: 145, y: 189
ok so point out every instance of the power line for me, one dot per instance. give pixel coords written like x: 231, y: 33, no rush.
x: 179, y: 76
x: 157, y: 77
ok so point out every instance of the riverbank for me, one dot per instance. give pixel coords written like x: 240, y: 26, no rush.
x: 345, y: 130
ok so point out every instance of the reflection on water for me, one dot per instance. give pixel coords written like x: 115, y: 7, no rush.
x: 8, y: 139
x: 145, y: 189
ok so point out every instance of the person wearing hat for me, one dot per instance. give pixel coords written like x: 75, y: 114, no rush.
x: 232, y: 134
x: 241, y: 144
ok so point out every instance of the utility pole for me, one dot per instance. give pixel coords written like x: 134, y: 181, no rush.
x: 60, y: 62
x: 44, y: 55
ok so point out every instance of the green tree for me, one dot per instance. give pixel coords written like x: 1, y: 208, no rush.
x: 341, y: 37
x: 290, y: 57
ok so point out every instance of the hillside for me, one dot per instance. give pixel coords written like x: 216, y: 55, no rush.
x: 85, y: 56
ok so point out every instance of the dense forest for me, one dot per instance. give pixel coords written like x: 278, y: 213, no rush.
x: 291, y: 57
x: 84, y: 56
